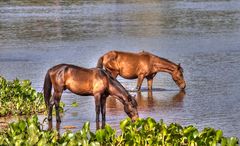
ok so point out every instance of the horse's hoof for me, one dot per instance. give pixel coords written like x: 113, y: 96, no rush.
x: 49, y: 118
x: 58, y: 120
x: 134, y: 90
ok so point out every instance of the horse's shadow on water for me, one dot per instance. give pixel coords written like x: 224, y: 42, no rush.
x: 144, y: 89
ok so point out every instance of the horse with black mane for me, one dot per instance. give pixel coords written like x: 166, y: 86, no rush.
x: 140, y: 65
x: 85, y: 82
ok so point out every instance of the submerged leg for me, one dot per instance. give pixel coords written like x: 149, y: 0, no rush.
x: 50, y: 125
x: 150, y: 95
x: 56, y: 98
x: 150, y: 82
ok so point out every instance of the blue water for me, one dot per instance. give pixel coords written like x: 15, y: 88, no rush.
x: 201, y: 35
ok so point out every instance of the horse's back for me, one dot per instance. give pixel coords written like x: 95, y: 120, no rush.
x: 77, y: 79
x: 128, y: 64
x: 132, y: 64
x: 64, y: 69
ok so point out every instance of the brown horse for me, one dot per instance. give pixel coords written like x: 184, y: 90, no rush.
x: 140, y: 65
x: 82, y: 81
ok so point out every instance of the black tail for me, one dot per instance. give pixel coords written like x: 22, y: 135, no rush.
x: 47, y: 88
x: 100, y: 62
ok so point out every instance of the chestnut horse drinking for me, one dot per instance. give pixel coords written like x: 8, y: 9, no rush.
x: 85, y: 82
x: 140, y: 65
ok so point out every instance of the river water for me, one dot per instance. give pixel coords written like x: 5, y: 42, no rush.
x: 201, y: 35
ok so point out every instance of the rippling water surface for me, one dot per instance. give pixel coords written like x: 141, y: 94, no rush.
x: 201, y: 35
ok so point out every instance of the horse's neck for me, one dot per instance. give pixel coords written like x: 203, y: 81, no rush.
x: 164, y: 65
x: 118, y: 91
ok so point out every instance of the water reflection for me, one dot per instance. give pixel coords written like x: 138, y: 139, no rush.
x: 152, y: 102
x: 149, y: 102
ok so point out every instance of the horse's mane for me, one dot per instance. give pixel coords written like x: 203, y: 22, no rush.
x: 130, y: 98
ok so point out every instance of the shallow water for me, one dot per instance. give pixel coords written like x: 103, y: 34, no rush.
x: 203, y: 36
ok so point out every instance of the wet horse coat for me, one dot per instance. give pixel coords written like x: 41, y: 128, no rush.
x: 140, y: 65
x: 84, y: 82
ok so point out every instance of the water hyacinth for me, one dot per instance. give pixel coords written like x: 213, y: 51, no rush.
x: 144, y: 132
x: 19, y: 98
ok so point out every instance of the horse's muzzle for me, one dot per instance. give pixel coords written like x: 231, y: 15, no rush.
x: 134, y: 118
x: 182, y: 86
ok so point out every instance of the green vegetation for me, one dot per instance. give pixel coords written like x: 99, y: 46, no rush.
x: 74, y: 104
x: 19, y: 98
x: 144, y: 132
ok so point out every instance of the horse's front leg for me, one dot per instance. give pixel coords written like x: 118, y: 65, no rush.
x: 139, y: 82
x: 97, y: 108
x: 103, y: 110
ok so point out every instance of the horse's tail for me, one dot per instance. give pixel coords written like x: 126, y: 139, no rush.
x: 100, y: 62
x: 47, y: 88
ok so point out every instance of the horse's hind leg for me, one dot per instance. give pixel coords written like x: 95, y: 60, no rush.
x: 150, y: 81
x: 50, y: 107
x: 56, y: 98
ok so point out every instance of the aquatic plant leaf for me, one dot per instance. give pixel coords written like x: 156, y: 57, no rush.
x: 28, y: 132
x: 74, y: 104
x: 95, y: 144
x: 86, y: 126
x: 219, y: 135
x: 151, y: 122
x: 232, y: 141
x: 22, y: 125
x: 100, y: 135
x: 223, y: 141
x: 124, y: 123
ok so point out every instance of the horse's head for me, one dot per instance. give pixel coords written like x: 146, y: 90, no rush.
x: 130, y: 107
x: 177, y: 76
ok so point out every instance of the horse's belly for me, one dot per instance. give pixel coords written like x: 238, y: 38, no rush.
x: 81, y: 92
x: 129, y: 71
x: 79, y: 89
x: 129, y: 75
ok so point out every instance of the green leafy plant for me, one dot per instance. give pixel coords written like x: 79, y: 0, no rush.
x: 74, y: 104
x: 143, y: 132
x: 19, y: 98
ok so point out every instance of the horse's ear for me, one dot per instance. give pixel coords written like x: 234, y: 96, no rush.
x: 134, y: 96
x: 134, y: 102
x: 179, y: 66
x: 112, y: 56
